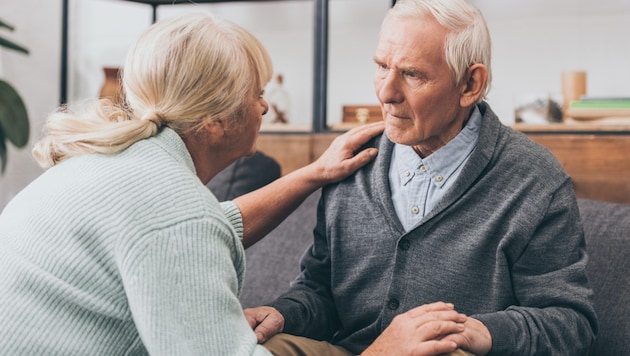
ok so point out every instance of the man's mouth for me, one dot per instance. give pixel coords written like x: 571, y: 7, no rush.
x: 396, y: 115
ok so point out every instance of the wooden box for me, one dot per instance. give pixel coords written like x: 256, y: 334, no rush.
x: 361, y: 114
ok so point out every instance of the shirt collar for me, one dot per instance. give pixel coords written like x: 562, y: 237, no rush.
x: 441, y: 164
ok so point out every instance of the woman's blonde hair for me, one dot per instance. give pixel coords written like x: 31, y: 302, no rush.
x: 182, y: 73
x: 468, y: 41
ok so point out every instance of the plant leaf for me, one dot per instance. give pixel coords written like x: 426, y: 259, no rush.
x: 3, y: 152
x: 13, y: 116
x: 6, y: 25
x: 12, y: 45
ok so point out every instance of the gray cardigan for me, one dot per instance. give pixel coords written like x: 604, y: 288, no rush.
x: 505, y: 245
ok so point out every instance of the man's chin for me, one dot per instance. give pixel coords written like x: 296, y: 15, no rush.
x: 392, y: 134
x: 398, y: 135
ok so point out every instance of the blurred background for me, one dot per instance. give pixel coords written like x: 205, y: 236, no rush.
x: 534, y: 41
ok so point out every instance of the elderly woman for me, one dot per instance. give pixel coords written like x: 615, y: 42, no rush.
x: 119, y: 248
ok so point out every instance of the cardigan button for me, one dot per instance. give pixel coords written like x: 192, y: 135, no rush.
x: 404, y: 244
x: 393, y: 304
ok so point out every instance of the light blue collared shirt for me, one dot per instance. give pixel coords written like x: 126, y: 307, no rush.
x: 418, y: 184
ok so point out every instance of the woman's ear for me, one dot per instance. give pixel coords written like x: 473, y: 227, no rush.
x: 215, y: 128
x: 476, y: 80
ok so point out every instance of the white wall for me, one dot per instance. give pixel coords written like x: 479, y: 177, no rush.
x: 35, y: 77
x: 534, y: 41
x: 285, y: 28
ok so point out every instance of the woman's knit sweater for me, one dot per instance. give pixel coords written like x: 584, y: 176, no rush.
x: 123, y: 254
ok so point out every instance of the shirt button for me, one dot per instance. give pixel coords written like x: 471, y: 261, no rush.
x: 415, y: 210
x: 393, y: 304
x: 439, y: 178
x: 423, y: 168
x: 404, y: 245
x: 407, y: 173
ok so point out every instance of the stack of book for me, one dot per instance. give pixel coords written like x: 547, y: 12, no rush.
x: 592, y: 108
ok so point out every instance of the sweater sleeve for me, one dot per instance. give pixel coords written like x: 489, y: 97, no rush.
x: 181, y: 283
x: 234, y: 216
x: 555, y: 314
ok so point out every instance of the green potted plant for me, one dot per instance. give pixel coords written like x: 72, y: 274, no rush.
x: 14, y: 124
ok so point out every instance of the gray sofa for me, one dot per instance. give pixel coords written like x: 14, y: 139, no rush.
x: 273, y: 262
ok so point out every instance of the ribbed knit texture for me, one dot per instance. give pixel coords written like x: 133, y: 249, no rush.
x: 122, y: 254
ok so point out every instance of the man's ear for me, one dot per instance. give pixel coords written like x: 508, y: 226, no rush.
x: 476, y: 80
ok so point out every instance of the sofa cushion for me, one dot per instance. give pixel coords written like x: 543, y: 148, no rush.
x: 607, y: 234
x: 244, y: 175
x: 274, y: 261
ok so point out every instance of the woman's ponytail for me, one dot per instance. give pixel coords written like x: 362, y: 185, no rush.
x: 100, y: 128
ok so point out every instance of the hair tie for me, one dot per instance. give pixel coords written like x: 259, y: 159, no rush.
x: 156, y: 118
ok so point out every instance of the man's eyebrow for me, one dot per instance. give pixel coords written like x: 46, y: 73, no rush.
x: 402, y: 69
x: 410, y: 69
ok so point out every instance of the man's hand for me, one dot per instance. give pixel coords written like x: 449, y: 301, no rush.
x: 420, y: 331
x: 475, y: 337
x: 265, y: 321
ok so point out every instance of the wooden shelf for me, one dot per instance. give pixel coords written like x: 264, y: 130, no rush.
x: 594, y: 155
x: 617, y: 126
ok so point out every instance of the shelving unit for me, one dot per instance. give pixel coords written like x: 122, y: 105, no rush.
x: 320, y: 71
x: 320, y: 51
x: 595, y: 156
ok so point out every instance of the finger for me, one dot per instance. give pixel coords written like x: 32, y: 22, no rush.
x: 368, y: 127
x: 250, y: 317
x: 361, y: 158
x: 264, y: 333
x: 371, y: 128
x: 430, y: 307
x: 268, y: 327
x: 260, y: 337
x: 435, y: 347
x: 362, y: 134
x: 255, y: 316
x: 440, y: 315
x: 439, y: 329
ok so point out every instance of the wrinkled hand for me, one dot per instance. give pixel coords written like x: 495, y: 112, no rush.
x: 475, y: 337
x: 265, y: 321
x: 419, y: 332
x: 341, y: 158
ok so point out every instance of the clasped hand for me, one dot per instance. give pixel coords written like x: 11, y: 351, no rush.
x: 430, y: 329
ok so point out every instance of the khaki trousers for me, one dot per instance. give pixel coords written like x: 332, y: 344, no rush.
x: 291, y: 345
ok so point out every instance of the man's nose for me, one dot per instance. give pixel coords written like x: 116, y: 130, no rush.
x: 389, y: 88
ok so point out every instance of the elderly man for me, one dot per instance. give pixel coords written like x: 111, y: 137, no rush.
x: 457, y: 208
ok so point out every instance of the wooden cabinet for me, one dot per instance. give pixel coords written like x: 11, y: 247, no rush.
x: 596, y: 157
x: 293, y: 151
